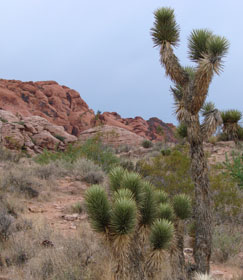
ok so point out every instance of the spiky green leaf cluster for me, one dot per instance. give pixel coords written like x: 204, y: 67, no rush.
x: 123, y: 193
x: 98, y: 208
x: 165, y: 27
x: 161, y: 234
x: 231, y: 116
x: 123, y: 217
x: 148, y: 205
x: 116, y: 176
x: 165, y: 211
x: 133, y: 182
x: 218, y: 46
x: 203, y: 42
x: 198, y: 43
x: 182, y: 206
x: 161, y: 196
x: 207, y: 107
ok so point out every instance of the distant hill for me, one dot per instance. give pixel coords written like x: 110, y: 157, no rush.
x: 63, y: 106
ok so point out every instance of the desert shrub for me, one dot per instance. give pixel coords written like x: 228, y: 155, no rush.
x: 20, y: 250
x: 77, y: 208
x: 5, y: 223
x: 181, y: 131
x: 94, y: 177
x: 127, y: 164
x: 8, y: 155
x: 123, y: 149
x: 52, y: 170
x: 227, y: 198
x: 240, y: 133
x: 21, y: 181
x: 165, y: 152
x: 86, y: 170
x: 147, y: 144
x: 227, y: 242
x: 171, y: 172
x: 235, y: 168
x: 92, y: 149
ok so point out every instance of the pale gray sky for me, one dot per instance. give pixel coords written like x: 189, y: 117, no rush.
x: 103, y: 49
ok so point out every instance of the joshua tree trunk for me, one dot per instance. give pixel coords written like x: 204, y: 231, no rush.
x: 202, y: 211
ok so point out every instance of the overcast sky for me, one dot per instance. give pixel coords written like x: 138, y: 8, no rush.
x: 103, y: 49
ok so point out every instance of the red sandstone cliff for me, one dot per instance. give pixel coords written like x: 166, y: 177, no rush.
x: 63, y: 106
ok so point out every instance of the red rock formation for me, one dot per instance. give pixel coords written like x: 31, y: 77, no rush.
x: 154, y: 129
x: 60, y: 105
x: 63, y: 106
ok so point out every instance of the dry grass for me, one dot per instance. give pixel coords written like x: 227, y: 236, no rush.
x: 77, y: 257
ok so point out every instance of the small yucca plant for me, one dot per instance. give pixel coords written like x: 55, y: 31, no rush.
x: 116, y: 176
x: 230, y: 120
x: 98, y: 208
x: 231, y: 116
x: 165, y: 211
x: 148, y: 205
x: 161, y: 234
x: 161, y: 196
x: 182, y: 206
x: 133, y: 182
x: 123, y: 216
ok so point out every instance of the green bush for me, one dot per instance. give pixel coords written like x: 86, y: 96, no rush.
x: 92, y: 149
x: 235, y: 168
x: 181, y: 131
x: 170, y: 173
x: 147, y: 144
x: 227, y: 242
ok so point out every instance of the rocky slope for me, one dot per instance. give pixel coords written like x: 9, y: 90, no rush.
x: 63, y: 106
x: 31, y: 134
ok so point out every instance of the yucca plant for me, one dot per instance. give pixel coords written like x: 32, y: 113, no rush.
x: 133, y: 182
x: 182, y: 209
x: 99, y: 208
x: 161, y: 236
x: 136, y: 222
x: 116, y: 176
x: 165, y: 211
x: 230, y: 120
x: 190, y: 91
x: 161, y: 196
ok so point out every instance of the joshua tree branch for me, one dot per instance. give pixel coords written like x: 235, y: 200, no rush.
x: 203, y: 78
x: 172, y: 65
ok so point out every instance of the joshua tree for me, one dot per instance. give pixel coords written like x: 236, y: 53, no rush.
x: 230, y: 121
x: 137, y: 222
x: 190, y: 91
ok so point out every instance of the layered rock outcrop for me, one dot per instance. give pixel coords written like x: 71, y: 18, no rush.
x: 64, y: 107
x: 60, y: 105
x: 112, y: 135
x: 31, y: 134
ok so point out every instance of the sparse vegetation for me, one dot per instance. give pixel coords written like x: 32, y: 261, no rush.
x: 147, y: 144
